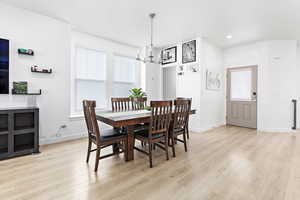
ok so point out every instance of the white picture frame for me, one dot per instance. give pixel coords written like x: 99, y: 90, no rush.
x: 213, y: 80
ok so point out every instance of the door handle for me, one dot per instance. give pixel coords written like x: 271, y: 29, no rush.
x: 254, y: 97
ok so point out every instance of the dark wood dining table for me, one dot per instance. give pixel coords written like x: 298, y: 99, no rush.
x: 127, y: 119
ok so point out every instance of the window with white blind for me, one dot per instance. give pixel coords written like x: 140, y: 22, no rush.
x: 90, y: 77
x: 124, y: 75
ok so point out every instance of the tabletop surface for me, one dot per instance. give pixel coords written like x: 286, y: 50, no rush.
x: 127, y: 115
x: 116, y: 116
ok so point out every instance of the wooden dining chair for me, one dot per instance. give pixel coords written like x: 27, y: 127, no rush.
x: 157, y: 133
x: 105, y: 139
x: 139, y: 103
x: 180, y: 121
x: 187, y: 126
x: 121, y: 104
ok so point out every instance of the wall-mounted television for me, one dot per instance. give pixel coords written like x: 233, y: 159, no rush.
x: 4, y: 66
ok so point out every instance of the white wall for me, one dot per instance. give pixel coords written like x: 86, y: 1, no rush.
x: 52, y: 41
x: 277, y: 75
x: 210, y: 105
x: 153, y: 78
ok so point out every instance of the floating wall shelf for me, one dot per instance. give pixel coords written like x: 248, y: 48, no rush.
x: 38, y: 93
x: 43, y: 71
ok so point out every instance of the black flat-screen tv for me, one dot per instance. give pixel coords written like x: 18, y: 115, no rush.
x: 4, y: 66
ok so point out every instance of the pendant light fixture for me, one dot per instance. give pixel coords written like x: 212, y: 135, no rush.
x: 149, y: 57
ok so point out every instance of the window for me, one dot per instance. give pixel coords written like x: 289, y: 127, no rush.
x: 241, y: 85
x: 90, y: 78
x: 124, y: 75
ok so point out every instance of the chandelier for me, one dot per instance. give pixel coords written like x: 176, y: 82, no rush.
x: 149, y: 55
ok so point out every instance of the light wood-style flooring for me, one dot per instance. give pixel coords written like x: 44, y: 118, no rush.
x: 226, y: 163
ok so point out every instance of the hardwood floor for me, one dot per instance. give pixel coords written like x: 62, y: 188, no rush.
x: 227, y: 163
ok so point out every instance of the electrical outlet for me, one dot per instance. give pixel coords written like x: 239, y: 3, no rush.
x: 63, y: 126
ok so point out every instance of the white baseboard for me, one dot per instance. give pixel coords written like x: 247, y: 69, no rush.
x: 277, y: 130
x: 203, y: 129
x: 53, y: 140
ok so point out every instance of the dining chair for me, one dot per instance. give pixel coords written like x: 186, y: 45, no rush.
x: 120, y: 104
x: 180, y: 121
x: 157, y: 133
x: 187, y: 126
x: 139, y: 103
x: 101, y: 140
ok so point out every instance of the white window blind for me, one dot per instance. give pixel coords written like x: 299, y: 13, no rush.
x: 124, y: 75
x: 90, y: 79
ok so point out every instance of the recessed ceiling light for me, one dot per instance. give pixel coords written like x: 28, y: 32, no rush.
x: 228, y: 36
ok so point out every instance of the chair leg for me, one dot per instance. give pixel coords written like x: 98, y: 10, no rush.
x: 89, y: 151
x: 150, y: 155
x: 173, y: 145
x: 97, y: 159
x: 184, y: 139
x: 116, y: 148
x: 166, y: 147
x: 187, y: 132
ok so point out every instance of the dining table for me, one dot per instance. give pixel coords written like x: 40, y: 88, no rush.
x: 128, y: 119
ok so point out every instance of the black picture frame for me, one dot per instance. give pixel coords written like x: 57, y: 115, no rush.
x: 167, y: 51
x: 189, y: 52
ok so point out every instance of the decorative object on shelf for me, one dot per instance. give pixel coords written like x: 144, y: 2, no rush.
x: 169, y: 55
x: 149, y: 58
x: 137, y: 92
x: 194, y: 68
x: 29, y: 52
x: 180, y: 70
x: 213, y: 80
x: 20, y: 87
x: 189, y: 52
x: 36, y: 70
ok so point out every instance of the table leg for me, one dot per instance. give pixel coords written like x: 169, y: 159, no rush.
x: 130, y: 144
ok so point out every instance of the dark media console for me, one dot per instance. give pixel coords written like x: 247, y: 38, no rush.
x: 19, y: 131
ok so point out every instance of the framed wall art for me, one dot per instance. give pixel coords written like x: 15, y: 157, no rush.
x: 213, y: 80
x: 169, y: 55
x: 189, y: 52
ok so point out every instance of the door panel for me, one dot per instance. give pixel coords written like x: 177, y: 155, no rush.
x: 169, y: 82
x: 242, y: 96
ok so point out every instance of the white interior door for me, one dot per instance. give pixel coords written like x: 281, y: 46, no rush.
x: 169, y: 82
x: 242, y: 96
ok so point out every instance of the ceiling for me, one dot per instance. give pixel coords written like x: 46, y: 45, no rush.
x: 177, y: 20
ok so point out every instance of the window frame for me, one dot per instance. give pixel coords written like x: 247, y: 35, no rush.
x: 108, y: 82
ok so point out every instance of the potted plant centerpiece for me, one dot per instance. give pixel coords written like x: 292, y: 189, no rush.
x: 136, y: 94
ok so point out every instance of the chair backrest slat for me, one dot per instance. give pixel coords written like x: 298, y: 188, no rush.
x: 120, y: 104
x: 161, y: 113
x: 139, y: 103
x: 181, y: 113
x: 91, y: 121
